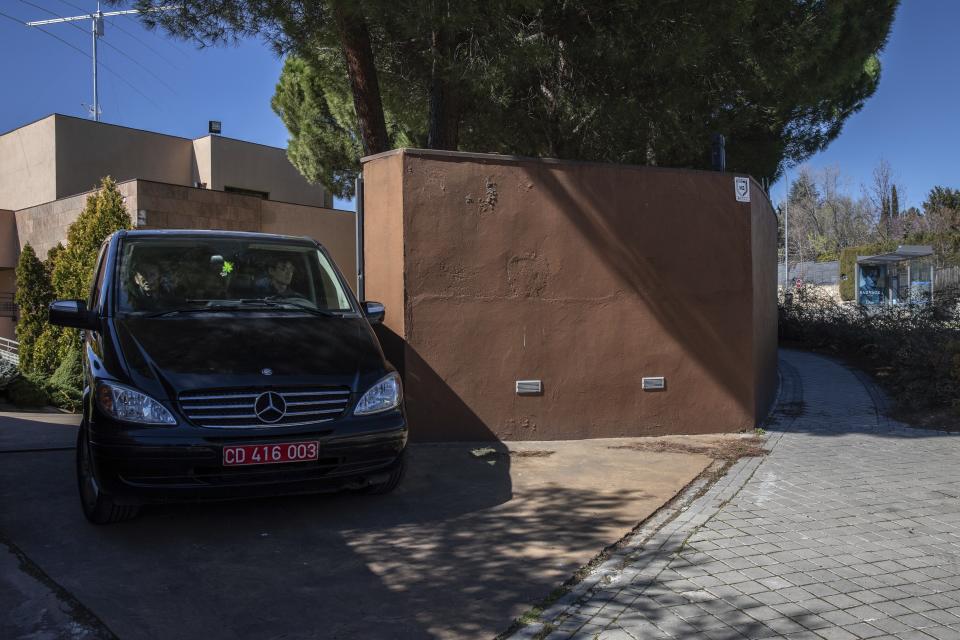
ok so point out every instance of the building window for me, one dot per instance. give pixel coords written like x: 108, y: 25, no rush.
x: 248, y: 192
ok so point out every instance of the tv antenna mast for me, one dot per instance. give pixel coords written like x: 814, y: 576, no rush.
x: 96, y: 31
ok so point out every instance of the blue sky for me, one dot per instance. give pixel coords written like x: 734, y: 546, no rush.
x: 172, y: 87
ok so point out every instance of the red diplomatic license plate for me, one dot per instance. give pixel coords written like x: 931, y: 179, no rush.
x: 270, y: 453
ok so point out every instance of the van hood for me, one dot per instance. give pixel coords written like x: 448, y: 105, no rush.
x: 234, y: 348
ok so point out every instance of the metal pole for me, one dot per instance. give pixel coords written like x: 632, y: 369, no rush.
x: 358, y: 194
x: 786, y: 237
x: 96, y: 29
x: 96, y: 98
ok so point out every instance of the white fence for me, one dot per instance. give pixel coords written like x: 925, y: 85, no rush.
x: 9, y: 350
x: 946, y: 278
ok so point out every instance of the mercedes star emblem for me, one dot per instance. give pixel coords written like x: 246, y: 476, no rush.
x: 270, y: 406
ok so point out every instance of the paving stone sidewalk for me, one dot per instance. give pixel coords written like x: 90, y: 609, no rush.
x: 850, y: 528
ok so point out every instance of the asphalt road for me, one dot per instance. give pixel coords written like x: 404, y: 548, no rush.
x: 465, y: 545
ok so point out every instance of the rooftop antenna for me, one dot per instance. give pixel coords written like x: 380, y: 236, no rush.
x: 96, y: 31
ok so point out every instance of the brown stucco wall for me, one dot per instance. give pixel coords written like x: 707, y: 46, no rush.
x: 585, y: 276
x: 764, y: 248
x: 383, y: 243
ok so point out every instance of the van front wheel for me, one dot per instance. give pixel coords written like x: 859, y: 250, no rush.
x: 392, y: 482
x: 98, y: 507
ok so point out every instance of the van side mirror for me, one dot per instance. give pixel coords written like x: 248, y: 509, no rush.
x: 71, y: 313
x: 375, y: 312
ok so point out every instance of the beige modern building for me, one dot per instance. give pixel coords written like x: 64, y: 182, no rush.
x: 48, y: 167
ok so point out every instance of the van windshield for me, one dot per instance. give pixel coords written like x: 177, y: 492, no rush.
x: 158, y: 275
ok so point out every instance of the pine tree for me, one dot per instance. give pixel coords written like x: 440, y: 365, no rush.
x: 624, y: 82
x: 894, y: 203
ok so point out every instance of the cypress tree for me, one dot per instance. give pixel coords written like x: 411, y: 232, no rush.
x: 73, y: 265
x: 33, y: 297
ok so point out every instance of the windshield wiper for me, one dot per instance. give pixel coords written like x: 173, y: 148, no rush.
x: 219, y: 304
x: 273, y: 301
x: 171, y: 312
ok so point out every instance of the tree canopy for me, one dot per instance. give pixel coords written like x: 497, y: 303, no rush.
x: 621, y: 81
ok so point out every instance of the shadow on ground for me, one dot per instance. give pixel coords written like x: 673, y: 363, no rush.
x: 466, y: 544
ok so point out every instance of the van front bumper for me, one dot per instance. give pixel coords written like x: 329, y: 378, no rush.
x: 139, y: 466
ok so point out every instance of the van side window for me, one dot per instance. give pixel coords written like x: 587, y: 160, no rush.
x: 94, y: 299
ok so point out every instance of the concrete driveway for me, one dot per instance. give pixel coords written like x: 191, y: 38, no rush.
x: 468, y: 543
x: 849, y: 529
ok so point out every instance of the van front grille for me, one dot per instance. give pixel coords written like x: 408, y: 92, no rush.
x: 264, y: 408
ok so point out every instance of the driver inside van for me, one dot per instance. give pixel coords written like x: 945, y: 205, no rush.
x: 278, y: 279
x: 143, y: 285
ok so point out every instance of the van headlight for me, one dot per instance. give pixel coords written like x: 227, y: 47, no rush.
x: 124, y: 403
x: 383, y: 396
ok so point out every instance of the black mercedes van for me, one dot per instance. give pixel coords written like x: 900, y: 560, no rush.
x: 222, y: 365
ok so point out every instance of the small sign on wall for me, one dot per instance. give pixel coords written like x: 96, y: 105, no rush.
x: 741, y: 188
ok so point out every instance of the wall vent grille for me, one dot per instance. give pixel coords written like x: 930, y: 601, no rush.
x: 529, y: 387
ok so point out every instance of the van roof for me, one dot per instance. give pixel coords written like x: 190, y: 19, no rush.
x: 208, y: 233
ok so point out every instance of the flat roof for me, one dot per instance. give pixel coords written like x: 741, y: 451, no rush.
x: 903, y: 252
x: 137, y: 129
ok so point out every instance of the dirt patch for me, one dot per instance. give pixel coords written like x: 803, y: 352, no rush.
x: 487, y: 453
x: 728, y: 449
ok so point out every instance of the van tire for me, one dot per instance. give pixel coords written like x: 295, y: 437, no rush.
x: 396, y: 476
x: 98, y: 507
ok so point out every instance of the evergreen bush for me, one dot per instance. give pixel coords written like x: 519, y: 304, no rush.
x: 914, y: 351
x: 8, y: 373
x: 50, y: 355
x: 26, y: 392
x: 65, y: 386
x: 33, y: 297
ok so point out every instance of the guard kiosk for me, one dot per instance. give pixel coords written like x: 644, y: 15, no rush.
x: 904, y: 276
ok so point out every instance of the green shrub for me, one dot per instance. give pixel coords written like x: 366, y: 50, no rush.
x: 66, y: 273
x: 27, y: 392
x: 8, y: 373
x: 34, y: 295
x: 65, y: 386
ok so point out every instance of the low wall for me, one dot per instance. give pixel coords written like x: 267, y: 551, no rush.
x: 7, y: 325
x: 587, y: 277
x: 9, y: 247
x: 45, y: 225
x: 157, y: 205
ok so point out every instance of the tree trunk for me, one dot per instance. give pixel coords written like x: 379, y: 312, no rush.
x: 444, y: 112
x: 358, y: 54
